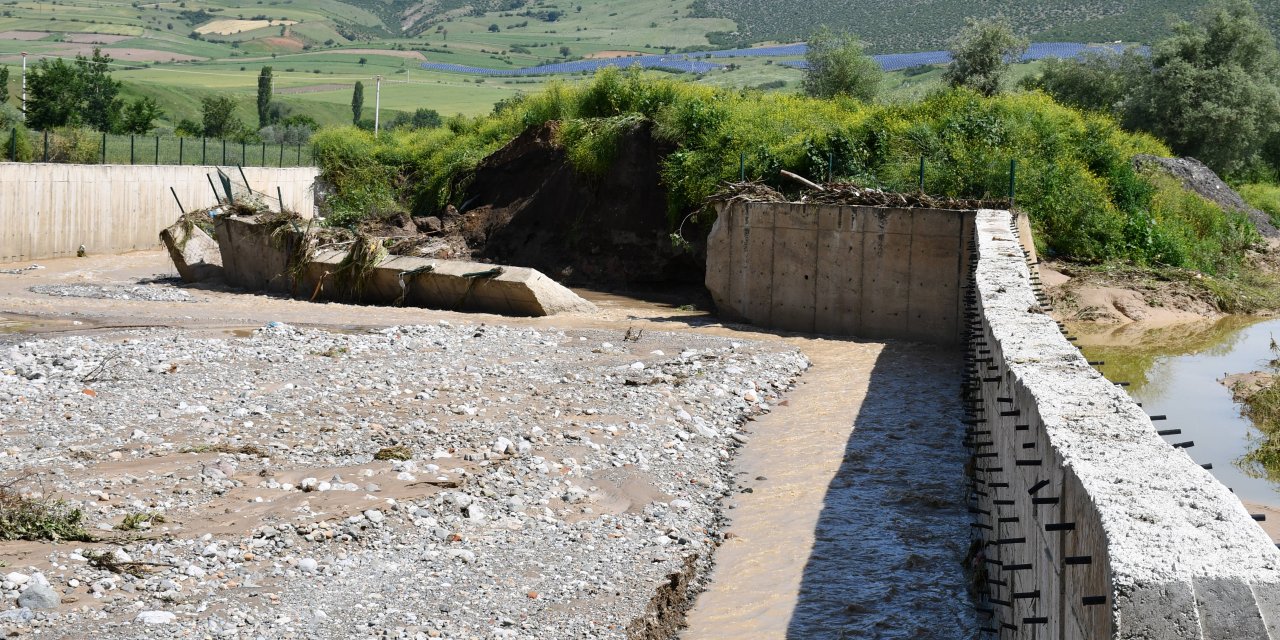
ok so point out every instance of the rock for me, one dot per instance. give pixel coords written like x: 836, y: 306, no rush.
x: 18, y: 578
x: 39, y: 596
x: 374, y: 516
x: 156, y: 617
x: 308, y: 565
x: 17, y: 616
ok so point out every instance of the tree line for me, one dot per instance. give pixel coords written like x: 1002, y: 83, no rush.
x: 82, y: 94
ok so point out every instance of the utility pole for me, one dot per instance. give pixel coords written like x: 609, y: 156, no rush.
x: 24, y: 86
x: 377, y: 105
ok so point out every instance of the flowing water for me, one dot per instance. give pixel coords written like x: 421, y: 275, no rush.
x: 1175, y: 371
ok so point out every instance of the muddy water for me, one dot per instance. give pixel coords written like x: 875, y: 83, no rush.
x: 1175, y: 371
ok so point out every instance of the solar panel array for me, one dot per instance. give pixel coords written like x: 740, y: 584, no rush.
x: 696, y: 62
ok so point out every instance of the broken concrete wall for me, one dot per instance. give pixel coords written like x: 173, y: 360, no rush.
x: 195, y: 254
x: 255, y: 260
x: 1091, y: 525
x: 49, y: 210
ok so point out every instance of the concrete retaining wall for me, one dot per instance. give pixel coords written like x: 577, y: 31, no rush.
x: 842, y: 270
x: 1091, y: 525
x: 49, y: 210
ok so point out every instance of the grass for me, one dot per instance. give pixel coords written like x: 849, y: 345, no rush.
x: 399, y: 452
x: 221, y: 447
x: 1265, y: 197
x: 23, y: 518
x: 141, y: 520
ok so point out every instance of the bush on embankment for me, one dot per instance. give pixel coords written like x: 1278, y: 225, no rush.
x: 1074, y: 175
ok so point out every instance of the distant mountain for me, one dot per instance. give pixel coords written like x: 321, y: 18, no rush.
x: 917, y: 25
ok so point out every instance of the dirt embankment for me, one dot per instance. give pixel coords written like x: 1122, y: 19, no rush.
x: 528, y: 206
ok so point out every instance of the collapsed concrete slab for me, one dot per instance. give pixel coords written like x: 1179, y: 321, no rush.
x: 282, y: 258
x: 444, y: 284
x: 255, y: 256
x: 193, y: 252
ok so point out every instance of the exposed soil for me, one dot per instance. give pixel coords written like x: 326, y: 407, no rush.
x: 93, y: 38
x: 1244, y: 385
x: 22, y: 35
x: 528, y: 206
x: 1082, y: 295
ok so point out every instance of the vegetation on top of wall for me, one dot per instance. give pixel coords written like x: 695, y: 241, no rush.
x: 1074, y: 175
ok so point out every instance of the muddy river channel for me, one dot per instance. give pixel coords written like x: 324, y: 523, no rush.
x: 1176, y: 372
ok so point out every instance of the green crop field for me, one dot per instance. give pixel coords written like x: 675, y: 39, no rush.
x: 180, y: 51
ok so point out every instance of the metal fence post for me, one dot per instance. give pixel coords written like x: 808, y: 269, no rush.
x: 104, y: 147
x: 299, y: 154
x: 224, y: 151
x: 282, y: 155
x: 921, y: 174
x: 46, y: 145
x: 264, y: 155
x: 13, y: 145
x: 742, y: 167
x: 131, y: 148
x: 204, y: 151
x: 180, y: 145
x: 244, y: 151
x: 157, y: 149
x: 1013, y: 180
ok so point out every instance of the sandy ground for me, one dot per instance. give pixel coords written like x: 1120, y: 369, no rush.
x: 866, y: 521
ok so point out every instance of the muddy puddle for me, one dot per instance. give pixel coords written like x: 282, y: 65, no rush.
x: 1175, y: 372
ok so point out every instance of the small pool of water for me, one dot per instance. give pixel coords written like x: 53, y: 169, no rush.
x: 1176, y: 372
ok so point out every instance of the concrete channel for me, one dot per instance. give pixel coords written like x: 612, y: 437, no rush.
x: 1085, y: 522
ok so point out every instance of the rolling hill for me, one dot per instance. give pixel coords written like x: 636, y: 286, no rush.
x: 178, y: 51
x: 915, y: 25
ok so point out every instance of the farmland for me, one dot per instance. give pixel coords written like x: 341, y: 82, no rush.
x: 179, y: 52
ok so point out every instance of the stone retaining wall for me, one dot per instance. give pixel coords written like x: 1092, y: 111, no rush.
x: 1090, y: 525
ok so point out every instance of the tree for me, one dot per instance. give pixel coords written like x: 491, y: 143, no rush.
x: 564, y: 51
x: 83, y: 92
x: 981, y: 54
x: 1095, y: 82
x: 264, y: 97
x: 357, y: 102
x: 101, y: 93
x: 4, y: 84
x: 1213, y: 90
x: 53, y: 95
x: 837, y: 66
x: 140, y: 115
x: 218, y: 117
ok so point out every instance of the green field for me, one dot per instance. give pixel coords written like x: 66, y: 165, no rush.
x: 333, y: 43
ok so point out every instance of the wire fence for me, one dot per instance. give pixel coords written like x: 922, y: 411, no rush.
x: 82, y: 146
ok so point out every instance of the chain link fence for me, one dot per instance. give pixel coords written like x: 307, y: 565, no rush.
x: 83, y: 146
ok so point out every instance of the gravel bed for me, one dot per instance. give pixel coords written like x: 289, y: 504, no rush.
x: 555, y: 482
x: 146, y: 293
